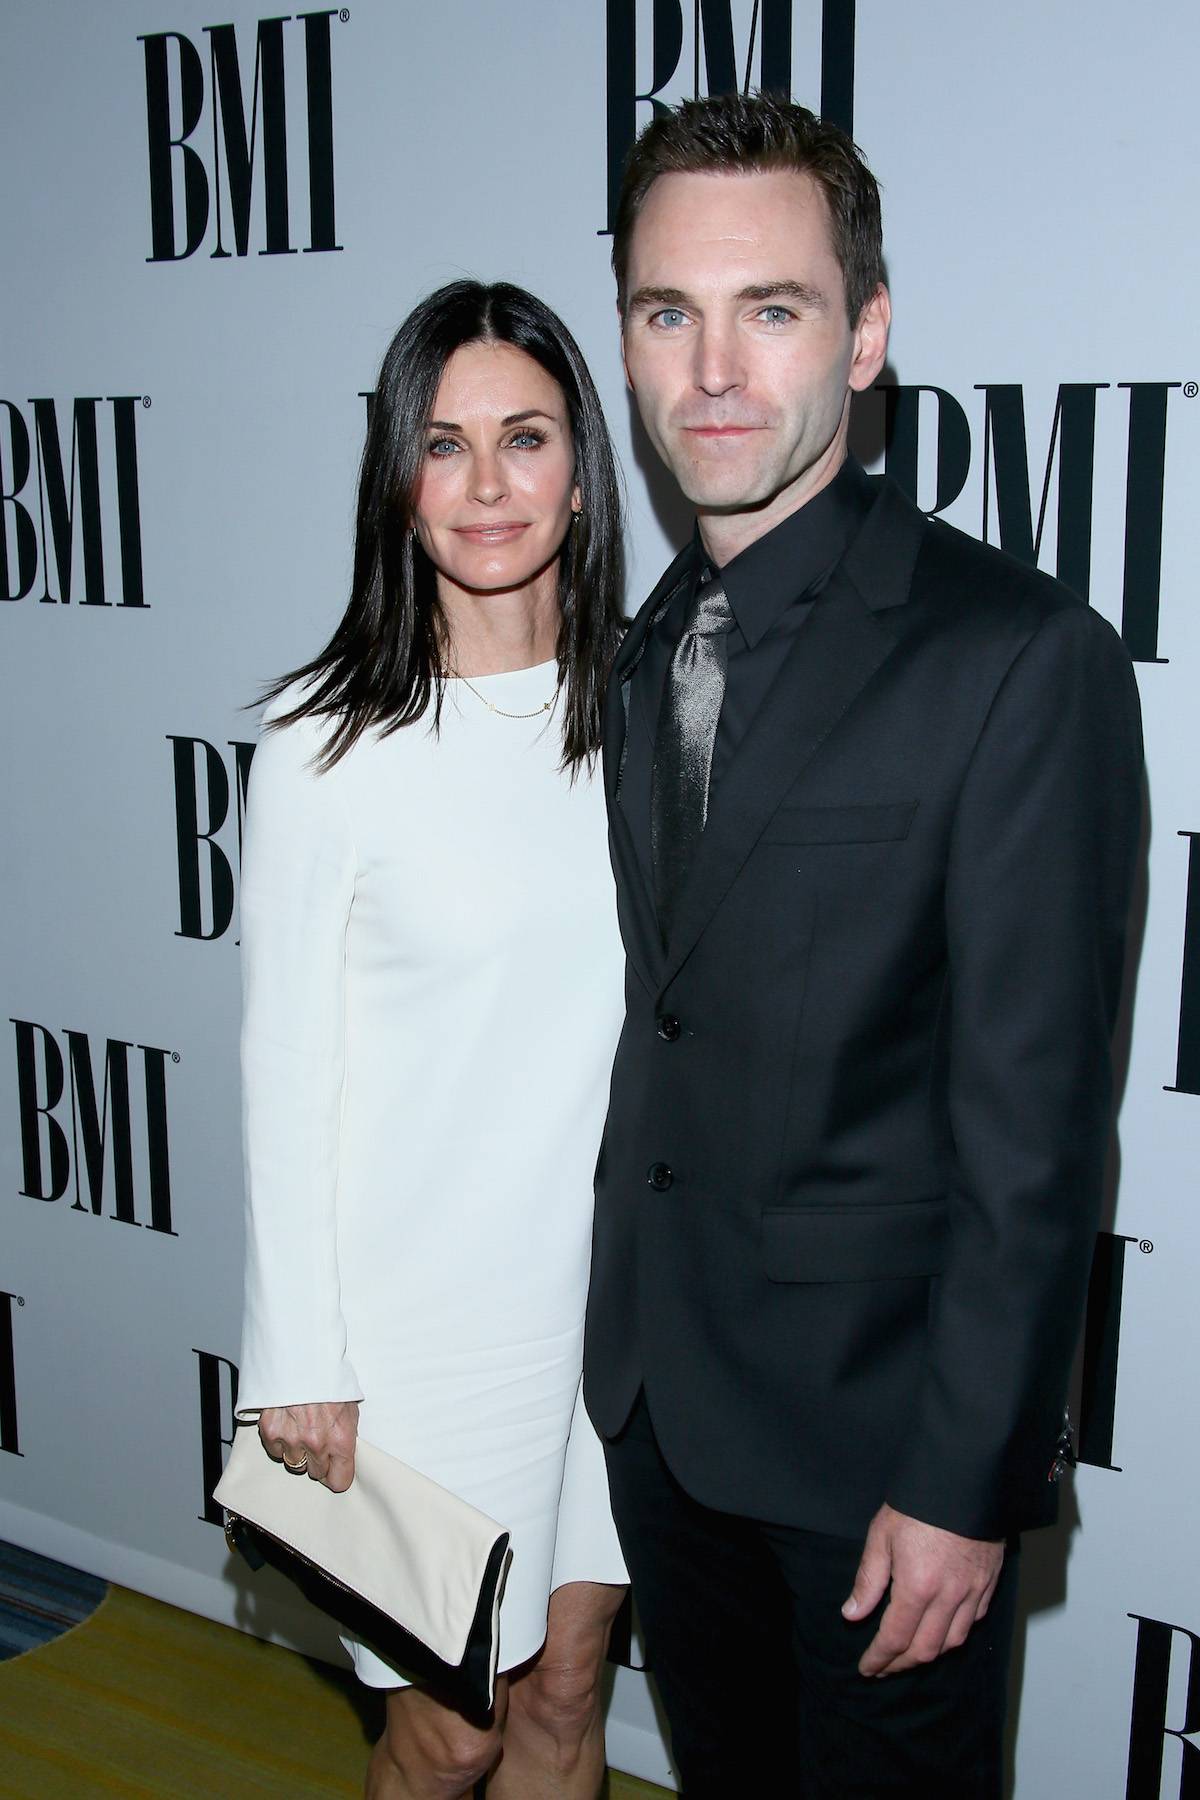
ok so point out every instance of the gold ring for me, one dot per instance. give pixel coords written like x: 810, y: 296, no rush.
x: 295, y: 1468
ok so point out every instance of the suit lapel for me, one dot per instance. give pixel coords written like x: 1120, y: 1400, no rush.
x: 616, y: 717
x: 635, y: 902
x: 843, y: 643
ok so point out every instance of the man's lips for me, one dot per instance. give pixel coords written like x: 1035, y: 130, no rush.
x: 721, y: 430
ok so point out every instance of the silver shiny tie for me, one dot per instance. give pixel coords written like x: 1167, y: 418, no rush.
x: 683, y: 745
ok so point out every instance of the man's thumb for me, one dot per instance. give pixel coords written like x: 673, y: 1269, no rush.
x: 870, y: 1583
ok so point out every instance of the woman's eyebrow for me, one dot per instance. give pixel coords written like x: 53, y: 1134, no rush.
x: 532, y: 412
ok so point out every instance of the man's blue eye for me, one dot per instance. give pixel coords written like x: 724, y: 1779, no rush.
x: 669, y: 316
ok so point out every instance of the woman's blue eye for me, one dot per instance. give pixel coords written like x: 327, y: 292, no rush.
x: 526, y: 439
x: 441, y: 446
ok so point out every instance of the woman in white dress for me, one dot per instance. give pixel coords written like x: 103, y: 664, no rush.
x: 432, y: 976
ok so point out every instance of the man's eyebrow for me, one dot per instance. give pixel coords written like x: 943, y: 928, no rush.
x: 786, y: 290
x: 646, y: 297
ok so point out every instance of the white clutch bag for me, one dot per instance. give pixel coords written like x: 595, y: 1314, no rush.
x: 409, y: 1568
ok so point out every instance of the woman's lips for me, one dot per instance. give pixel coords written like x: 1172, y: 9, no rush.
x: 492, y: 534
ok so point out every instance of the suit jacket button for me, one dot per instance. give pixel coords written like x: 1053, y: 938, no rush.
x: 659, y: 1176
x: 669, y: 1027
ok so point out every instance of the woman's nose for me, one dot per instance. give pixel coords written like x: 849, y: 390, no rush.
x: 489, y: 484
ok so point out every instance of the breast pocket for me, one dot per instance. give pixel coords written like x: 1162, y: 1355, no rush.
x: 906, y: 1239
x: 840, y: 824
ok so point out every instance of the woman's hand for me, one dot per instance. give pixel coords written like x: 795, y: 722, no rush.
x: 317, y: 1441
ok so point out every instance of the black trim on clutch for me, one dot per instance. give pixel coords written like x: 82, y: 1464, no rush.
x: 465, y: 1685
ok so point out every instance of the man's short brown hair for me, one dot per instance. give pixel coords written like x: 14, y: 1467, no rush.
x: 741, y: 134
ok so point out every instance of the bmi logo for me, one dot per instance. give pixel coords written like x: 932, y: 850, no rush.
x: 1187, y: 1055
x: 87, y: 1128
x: 218, y: 1398
x: 1102, y: 1347
x: 930, y: 444
x: 202, y: 179
x: 8, y: 1375
x: 70, y: 515
x: 210, y: 797
x: 1159, y: 1691
x: 660, y: 52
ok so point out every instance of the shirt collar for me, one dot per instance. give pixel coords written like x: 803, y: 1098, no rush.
x: 797, y: 556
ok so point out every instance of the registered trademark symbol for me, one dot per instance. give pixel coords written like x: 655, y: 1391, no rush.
x: 1145, y: 1246
x: 344, y: 15
x: 145, y: 399
x: 1190, y: 390
x: 174, y: 1056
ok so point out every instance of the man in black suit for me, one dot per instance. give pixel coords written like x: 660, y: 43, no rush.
x: 874, y: 794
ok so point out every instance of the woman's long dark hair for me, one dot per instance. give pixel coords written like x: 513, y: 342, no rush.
x: 384, y: 664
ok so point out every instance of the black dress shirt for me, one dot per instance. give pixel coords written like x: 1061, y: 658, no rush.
x: 770, y: 586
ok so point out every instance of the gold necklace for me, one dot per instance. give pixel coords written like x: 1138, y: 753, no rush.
x: 499, y: 710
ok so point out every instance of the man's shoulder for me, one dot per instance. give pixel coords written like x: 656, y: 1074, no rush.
x: 986, y: 583
x: 989, y: 602
x: 983, y: 606
x: 993, y: 607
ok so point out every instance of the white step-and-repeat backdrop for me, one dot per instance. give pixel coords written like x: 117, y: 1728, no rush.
x: 212, y: 222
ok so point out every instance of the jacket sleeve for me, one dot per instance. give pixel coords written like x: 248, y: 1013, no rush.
x: 298, y: 872
x: 1039, y: 876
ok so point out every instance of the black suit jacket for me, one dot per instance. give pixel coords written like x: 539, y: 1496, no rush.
x: 851, y: 1174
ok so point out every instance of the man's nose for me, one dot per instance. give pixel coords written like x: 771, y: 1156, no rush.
x: 719, y: 367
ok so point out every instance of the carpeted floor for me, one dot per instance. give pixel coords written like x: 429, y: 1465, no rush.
x: 143, y: 1701
x: 40, y: 1598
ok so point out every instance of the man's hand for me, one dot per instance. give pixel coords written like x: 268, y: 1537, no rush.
x: 317, y: 1441
x: 941, y: 1584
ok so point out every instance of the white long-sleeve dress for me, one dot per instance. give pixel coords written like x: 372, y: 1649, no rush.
x: 432, y: 995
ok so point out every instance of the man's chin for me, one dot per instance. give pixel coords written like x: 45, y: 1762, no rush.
x: 727, y: 496
x: 727, y: 484
x: 718, y: 491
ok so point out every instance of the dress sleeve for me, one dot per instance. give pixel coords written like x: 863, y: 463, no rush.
x: 298, y: 873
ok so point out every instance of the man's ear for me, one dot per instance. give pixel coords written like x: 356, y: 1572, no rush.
x: 871, y: 340
x: 624, y: 358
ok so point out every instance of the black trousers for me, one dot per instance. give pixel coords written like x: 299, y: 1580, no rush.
x: 758, y: 1670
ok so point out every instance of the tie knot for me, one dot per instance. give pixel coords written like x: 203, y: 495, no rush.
x: 711, y: 611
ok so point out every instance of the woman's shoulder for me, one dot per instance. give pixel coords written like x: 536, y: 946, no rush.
x: 287, y: 700
x: 292, y: 749
x: 305, y: 750
x: 299, y: 750
x: 298, y: 733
